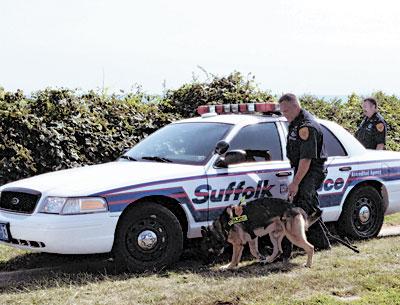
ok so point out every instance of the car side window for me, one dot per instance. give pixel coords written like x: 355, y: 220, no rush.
x: 257, y: 140
x: 333, y: 146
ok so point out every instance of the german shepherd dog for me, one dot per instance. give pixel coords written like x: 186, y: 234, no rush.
x: 244, y: 223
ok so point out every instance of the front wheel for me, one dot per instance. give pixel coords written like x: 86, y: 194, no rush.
x: 148, y: 236
x: 362, y: 215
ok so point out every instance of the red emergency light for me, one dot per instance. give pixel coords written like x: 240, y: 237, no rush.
x: 239, y: 108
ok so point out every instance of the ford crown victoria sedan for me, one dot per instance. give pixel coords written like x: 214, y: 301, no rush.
x: 144, y: 205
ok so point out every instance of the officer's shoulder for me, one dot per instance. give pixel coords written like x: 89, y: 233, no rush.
x: 304, y: 131
x: 307, y: 124
x: 379, y: 118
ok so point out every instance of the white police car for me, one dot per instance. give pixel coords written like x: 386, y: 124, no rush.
x: 178, y: 179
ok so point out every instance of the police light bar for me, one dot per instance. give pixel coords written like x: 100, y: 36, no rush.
x: 239, y: 108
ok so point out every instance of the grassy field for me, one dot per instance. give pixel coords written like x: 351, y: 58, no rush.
x: 339, y: 276
x: 393, y: 219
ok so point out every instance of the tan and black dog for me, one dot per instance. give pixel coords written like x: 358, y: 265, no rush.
x: 243, y: 224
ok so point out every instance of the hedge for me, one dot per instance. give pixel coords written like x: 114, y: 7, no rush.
x: 61, y: 128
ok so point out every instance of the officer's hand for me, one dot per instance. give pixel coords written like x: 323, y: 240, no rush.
x: 293, y: 188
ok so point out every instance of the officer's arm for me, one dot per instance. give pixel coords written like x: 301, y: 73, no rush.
x: 304, y: 166
x: 293, y: 187
x: 308, y: 151
x: 380, y: 135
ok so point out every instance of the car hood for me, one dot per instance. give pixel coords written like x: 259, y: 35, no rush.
x: 88, y: 180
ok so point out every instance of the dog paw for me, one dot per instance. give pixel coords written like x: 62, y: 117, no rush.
x: 262, y: 259
x: 266, y: 260
x: 270, y: 259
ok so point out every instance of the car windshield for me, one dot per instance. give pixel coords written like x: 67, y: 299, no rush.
x: 189, y: 143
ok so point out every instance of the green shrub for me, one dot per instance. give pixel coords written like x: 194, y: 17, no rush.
x: 232, y: 89
x: 57, y: 129
x: 61, y: 128
x: 348, y: 113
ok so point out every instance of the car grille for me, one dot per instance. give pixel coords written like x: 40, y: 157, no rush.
x: 19, y: 201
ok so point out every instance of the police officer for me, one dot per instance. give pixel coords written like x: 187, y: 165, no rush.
x: 306, y: 152
x: 372, y: 130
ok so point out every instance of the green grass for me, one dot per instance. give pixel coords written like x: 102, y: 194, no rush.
x: 393, y: 219
x: 338, y: 276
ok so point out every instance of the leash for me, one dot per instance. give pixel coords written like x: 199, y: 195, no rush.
x: 338, y: 239
x: 329, y: 234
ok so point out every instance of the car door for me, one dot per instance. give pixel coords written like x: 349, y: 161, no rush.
x: 256, y: 177
x: 339, y: 167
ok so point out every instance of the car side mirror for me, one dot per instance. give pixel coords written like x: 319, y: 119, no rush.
x: 231, y: 157
x: 221, y: 147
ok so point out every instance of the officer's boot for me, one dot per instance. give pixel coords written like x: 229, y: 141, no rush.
x: 317, y: 237
x: 287, y: 248
x: 315, y: 215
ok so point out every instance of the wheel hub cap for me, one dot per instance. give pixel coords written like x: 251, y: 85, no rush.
x: 147, y: 240
x: 364, y: 214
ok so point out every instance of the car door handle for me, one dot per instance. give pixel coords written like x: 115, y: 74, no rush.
x: 345, y: 168
x: 283, y: 174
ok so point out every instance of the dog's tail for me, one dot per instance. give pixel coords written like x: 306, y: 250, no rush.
x: 292, y: 212
x: 296, y: 211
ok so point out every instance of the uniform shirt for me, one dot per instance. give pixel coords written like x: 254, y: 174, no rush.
x: 305, y: 141
x: 372, y: 131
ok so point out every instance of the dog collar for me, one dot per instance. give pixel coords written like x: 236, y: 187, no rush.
x: 237, y: 219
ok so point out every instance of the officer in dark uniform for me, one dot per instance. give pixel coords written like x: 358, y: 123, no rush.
x: 306, y: 151
x: 372, y: 130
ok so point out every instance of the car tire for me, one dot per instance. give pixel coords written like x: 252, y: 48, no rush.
x: 148, y: 237
x: 362, y: 214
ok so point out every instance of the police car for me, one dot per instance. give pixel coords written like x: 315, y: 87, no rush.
x: 144, y: 205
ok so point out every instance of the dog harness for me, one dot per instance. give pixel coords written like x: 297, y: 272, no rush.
x: 242, y: 219
x: 237, y: 219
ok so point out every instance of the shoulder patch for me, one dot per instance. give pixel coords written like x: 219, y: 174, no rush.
x: 304, y: 133
x: 380, y: 127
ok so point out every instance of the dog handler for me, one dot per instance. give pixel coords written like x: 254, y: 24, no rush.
x: 372, y: 130
x: 306, y: 152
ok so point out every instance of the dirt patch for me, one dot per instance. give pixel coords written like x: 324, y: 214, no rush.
x: 389, y: 230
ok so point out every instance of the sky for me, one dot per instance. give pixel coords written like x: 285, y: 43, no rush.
x: 304, y: 46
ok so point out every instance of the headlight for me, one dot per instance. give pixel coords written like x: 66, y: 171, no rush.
x: 65, y: 206
x: 52, y: 205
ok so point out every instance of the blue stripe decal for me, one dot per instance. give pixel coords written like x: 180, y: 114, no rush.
x: 118, y: 202
x: 385, y: 174
x: 134, y: 186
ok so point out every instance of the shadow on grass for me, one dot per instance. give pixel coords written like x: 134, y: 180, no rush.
x: 36, y: 271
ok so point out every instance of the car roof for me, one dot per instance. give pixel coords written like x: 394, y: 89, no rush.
x: 236, y: 119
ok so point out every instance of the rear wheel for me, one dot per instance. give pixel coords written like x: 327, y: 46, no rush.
x: 148, y: 236
x: 362, y: 215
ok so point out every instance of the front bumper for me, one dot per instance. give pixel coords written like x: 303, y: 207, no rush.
x: 64, y: 234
